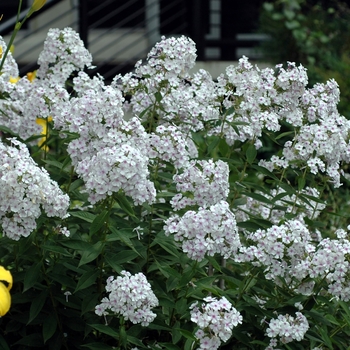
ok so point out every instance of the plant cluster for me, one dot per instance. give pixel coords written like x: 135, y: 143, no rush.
x: 149, y: 213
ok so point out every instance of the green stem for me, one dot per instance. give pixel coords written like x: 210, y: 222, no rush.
x: 18, y: 26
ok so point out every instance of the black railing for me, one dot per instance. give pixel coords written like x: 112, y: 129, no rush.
x: 98, y: 19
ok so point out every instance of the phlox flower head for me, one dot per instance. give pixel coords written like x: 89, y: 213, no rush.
x: 215, y: 319
x: 117, y: 168
x: 176, y: 55
x: 206, y: 231
x: 169, y: 144
x: 284, y: 251
x: 205, y: 183
x: 331, y: 262
x: 9, y: 69
x: 288, y: 328
x: 26, y: 190
x: 130, y: 296
x: 63, y: 53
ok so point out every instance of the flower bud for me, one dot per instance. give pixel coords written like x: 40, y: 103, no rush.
x: 37, y: 5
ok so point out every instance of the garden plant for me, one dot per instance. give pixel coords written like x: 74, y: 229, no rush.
x: 167, y: 210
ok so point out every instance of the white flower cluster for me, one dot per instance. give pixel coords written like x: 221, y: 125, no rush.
x: 260, y: 99
x: 215, y: 319
x: 169, y: 144
x: 9, y: 69
x: 203, y: 183
x: 331, y: 262
x: 63, y: 53
x: 110, y: 153
x: 117, y: 168
x: 283, y: 251
x: 206, y: 231
x: 165, y: 83
x: 130, y: 296
x: 14, y: 94
x: 322, y: 142
x: 25, y: 190
x: 288, y: 328
x: 290, y: 251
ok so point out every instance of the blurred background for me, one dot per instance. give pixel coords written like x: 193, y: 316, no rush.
x: 120, y: 32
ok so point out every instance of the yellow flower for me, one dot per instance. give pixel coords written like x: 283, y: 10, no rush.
x: 14, y: 80
x: 43, y: 123
x: 31, y: 76
x: 5, y: 286
x: 37, y: 5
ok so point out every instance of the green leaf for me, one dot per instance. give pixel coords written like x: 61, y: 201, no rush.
x: 181, y: 306
x: 32, y: 276
x: 37, y: 305
x: 54, y: 163
x: 86, y: 280
x: 166, y: 243
x: 77, y: 244
x: 213, y: 144
x: 76, y: 184
x: 105, y: 330
x: 283, y: 134
x: 33, y: 340
x: 289, y: 189
x: 251, y: 153
x: 7, y: 130
x: 3, y: 344
x: 115, y: 260
x: 249, y: 225
x: 122, y: 235
x: 158, y: 96
x: 265, y: 171
x: 258, y: 197
x: 279, y: 196
x: 144, y: 112
x: 187, y: 334
x: 123, y: 339
x: 315, y: 199
x: 325, y: 338
x: 176, y: 335
x: 49, y: 327
x: 84, y: 215
x: 99, y: 222
x: 124, y: 204
x: 214, y: 263
x: 135, y: 341
x: 89, y: 302
x: 92, y: 253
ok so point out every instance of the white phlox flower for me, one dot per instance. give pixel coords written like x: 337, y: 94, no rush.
x: 215, y: 318
x: 130, y: 296
x: 25, y: 191
x: 206, y: 231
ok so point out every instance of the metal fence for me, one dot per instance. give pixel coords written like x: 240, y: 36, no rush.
x: 118, y: 33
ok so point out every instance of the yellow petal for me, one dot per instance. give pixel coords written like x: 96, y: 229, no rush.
x: 31, y: 76
x: 14, y: 80
x: 5, y: 300
x: 6, y: 278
